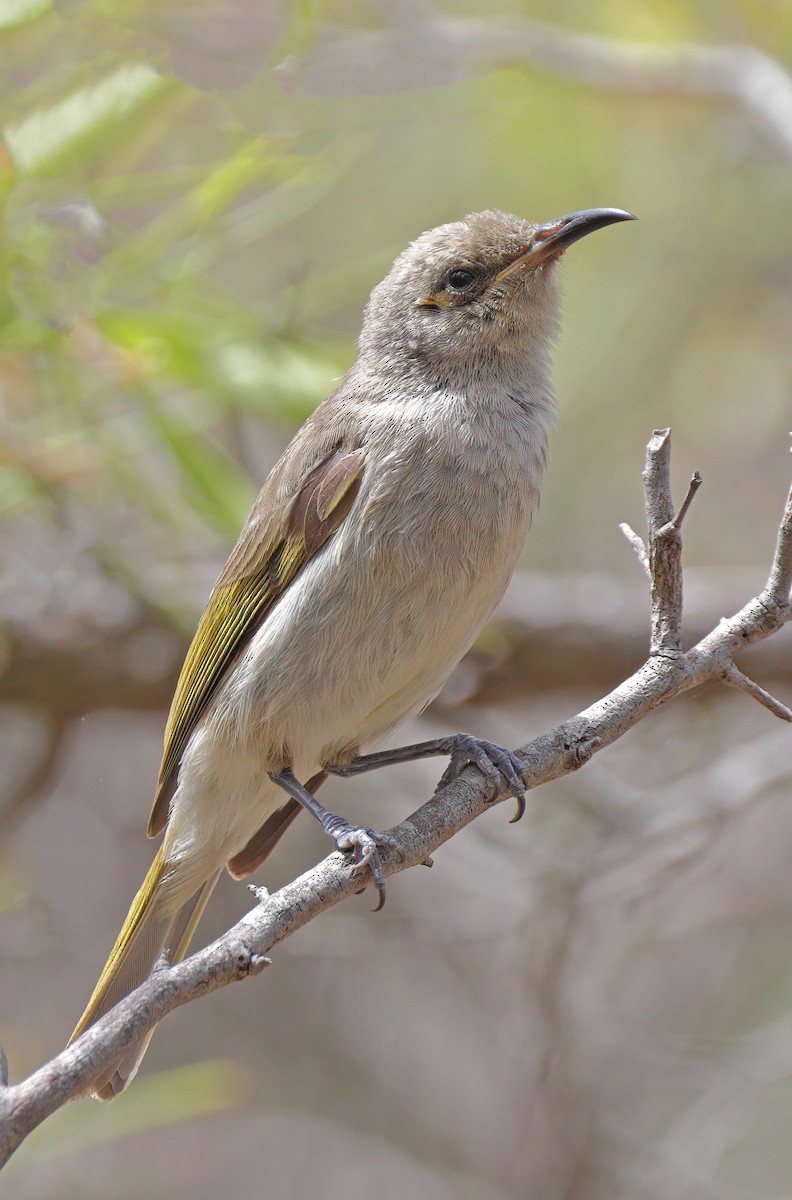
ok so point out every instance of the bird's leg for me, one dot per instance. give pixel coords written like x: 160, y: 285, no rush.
x: 498, y: 766
x: 361, y: 840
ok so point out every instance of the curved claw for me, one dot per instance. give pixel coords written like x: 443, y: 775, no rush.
x: 364, y: 843
x: 498, y: 766
x: 380, y: 886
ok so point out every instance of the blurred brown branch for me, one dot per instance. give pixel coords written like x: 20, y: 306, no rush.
x: 426, y: 52
x: 87, y: 666
x: 96, y: 668
x: 666, y: 673
x: 582, y: 631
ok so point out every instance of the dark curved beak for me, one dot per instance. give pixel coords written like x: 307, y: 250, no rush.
x: 551, y: 239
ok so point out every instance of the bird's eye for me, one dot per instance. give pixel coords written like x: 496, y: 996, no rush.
x: 460, y: 278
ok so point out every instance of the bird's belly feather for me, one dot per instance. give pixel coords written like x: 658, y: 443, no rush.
x: 361, y: 641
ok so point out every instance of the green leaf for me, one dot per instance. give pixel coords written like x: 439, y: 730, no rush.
x: 216, y: 486
x: 14, y: 13
x: 42, y: 140
x: 282, y: 380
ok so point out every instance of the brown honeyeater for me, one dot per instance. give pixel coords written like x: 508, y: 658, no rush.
x: 378, y: 547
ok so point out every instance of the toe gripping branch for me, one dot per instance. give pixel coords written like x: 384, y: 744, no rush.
x: 502, y: 770
x: 365, y: 843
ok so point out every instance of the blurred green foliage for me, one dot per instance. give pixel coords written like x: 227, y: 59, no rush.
x: 194, y: 207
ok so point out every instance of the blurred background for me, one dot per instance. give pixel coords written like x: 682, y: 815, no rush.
x: 196, y: 198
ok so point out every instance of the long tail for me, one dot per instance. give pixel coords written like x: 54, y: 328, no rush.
x: 151, y: 926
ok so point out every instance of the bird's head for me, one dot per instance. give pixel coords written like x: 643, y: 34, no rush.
x: 481, y: 286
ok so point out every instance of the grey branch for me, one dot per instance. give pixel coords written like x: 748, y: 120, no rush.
x: 694, y: 485
x: 665, y: 545
x: 427, y: 51
x: 243, y: 950
x: 735, y: 678
x: 638, y: 545
x: 780, y: 582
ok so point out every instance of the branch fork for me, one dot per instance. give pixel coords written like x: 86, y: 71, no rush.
x: 242, y: 951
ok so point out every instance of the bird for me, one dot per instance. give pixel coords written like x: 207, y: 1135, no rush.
x: 378, y: 547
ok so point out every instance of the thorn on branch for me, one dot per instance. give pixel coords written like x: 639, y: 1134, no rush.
x: 777, y: 590
x: 259, y: 891
x: 638, y: 546
x: 579, y: 748
x: 694, y: 485
x: 257, y: 963
x: 735, y: 678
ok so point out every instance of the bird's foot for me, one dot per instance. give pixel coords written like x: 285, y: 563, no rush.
x: 364, y: 844
x: 502, y: 769
x: 362, y: 841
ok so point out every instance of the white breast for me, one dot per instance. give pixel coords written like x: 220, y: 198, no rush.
x: 372, y: 627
